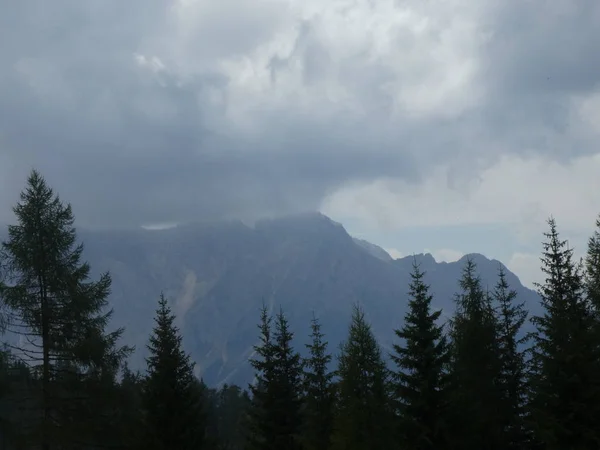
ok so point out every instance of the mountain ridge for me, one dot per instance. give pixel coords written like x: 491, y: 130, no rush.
x: 217, y: 275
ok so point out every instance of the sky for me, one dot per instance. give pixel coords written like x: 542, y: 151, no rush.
x: 446, y: 126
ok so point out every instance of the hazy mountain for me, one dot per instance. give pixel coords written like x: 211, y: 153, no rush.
x: 218, y: 275
x: 373, y: 249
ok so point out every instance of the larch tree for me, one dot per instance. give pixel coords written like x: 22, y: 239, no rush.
x: 174, y: 408
x: 318, y: 391
x: 62, y: 317
x: 421, y: 381
x: 565, y: 387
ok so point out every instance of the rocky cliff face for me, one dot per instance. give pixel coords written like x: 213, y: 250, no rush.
x: 218, y: 275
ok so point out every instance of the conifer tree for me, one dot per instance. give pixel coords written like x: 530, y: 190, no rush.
x: 475, y: 368
x: 565, y: 402
x: 230, y: 407
x: 62, y: 317
x: 363, y: 416
x: 277, y: 393
x: 318, y: 411
x: 511, y: 315
x: 592, y: 266
x: 130, y: 409
x: 261, y: 432
x: 288, y: 366
x: 421, y: 381
x: 174, y: 415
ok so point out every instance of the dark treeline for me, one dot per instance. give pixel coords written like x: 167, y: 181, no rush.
x: 477, y: 382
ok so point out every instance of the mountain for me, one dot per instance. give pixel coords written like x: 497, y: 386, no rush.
x: 373, y: 249
x: 217, y: 276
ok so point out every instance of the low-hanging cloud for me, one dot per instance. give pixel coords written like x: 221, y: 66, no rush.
x: 168, y: 111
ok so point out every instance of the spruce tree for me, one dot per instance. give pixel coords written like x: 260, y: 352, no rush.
x: 592, y: 266
x: 288, y: 366
x: 318, y: 408
x: 421, y: 381
x: 475, y: 368
x: 174, y: 415
x: 260, y: 429
x: 511, y: 315
x: 62, y: 317
x: 277, y: 394
x: 565, y: 387
x: 363, y: 416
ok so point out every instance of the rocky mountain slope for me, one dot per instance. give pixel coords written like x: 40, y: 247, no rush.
x: 218, y: 275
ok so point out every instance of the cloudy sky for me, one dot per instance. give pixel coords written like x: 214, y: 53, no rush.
x: 449, y: 126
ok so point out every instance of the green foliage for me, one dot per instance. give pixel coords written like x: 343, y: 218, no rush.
x: 565, y: 386
x: 129, y: 407
x: 174, y: 414
x: 363, y: 413
x: 62, y: 317
x: 592, y: 266
x: 511, y: 315
x: 59, y: 386
x: 475, y: 366
x: 318, y: 391
x: 275, y: 413
x: 228, y: 417
x: 421, y: 381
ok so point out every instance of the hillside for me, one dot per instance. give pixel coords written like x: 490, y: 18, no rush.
x: 218, y: 275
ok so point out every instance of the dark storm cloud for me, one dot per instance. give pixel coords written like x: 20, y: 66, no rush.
x: 128, y: 144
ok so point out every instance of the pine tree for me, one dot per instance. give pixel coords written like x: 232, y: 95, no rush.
x: 592, y: 266
x: 277, y: 395
x: 421, y: 381
x: 288, y: 366
x: 475, y: 368
x: 62, y: 318
x: 172, y: 396
x: 565, y: 387
x: 363, y: 405
x: 261, y: 431
x: 318, y: 387
x: 511, y: 315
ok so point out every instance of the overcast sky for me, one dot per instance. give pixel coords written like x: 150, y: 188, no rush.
x: 450, y: 126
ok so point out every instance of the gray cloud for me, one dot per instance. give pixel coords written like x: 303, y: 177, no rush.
x: 132, y: 110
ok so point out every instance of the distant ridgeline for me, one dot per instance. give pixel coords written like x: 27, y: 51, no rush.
x: 217, y: 276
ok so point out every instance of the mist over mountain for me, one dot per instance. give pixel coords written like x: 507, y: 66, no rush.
x: 217, y: 276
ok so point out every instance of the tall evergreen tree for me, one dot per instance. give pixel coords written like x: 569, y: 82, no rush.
x: 475, y: 368
x: 277, y: 394
x: 511, y: 315
x: 363, y: 415
x: 260, y: 428
x: 62, y: 317
x: 592, y: 266
x: 318, y: 411
x: 566, y: 390
x: 172, y: 396
x: 421, y: 381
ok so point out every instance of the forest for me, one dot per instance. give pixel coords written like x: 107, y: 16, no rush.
x: 484, y: 379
